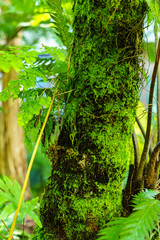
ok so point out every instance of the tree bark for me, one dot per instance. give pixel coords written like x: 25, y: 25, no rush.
x: 89, y: 162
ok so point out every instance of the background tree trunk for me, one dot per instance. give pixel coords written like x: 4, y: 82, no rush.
x: 12, y: 148
x: 89, y: 162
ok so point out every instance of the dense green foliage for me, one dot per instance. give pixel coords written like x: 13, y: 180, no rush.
x: 17, y: 16
x: 34, y: 97
x: 12, y: 14
x: 9, y: 197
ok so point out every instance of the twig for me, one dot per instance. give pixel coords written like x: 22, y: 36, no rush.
x: 23, y: 230
x: 69, y: 63
x: 3, y: 236
x: 7, y: 229
x: 111, y: 17
x: 143, y: 132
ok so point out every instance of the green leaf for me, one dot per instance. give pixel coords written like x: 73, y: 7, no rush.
x: 35, y: 218
x: 1, y: 109
x: 60, y: 22
x: 7, y: 211
x: 10, y: 194
x: 9, y: 184
x: 17, y: 190
x: 3, y: 186
x: 111, y: 232
x: 3, y: 199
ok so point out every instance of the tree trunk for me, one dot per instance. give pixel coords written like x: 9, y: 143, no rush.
x: 12, y: 148
x: 89, y: 162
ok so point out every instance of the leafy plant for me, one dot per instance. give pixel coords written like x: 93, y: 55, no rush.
x: 153, y: 14
x: 9, y: 197
x: 62, y: 23
x: 144, y: 174
x: 140, y: 224
x: 24, y: 14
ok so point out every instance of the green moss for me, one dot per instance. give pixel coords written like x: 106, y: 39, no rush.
x: 89, y: 164
x: 42, y: 234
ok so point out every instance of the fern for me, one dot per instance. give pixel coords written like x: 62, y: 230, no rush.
x: 153, y: 14
x: 34, y: 97
x: 62, y: 25
x: 140, y: 224
x: 9, y: 198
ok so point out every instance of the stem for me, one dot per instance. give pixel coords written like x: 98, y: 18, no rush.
x: 155, y: 152
x: 158, y: 82
x: 143, y: 133
x: 139, y: 173
x: 7, y: 229
x: 157, y: 168
x: 151, y: 171
x: 136, y: 150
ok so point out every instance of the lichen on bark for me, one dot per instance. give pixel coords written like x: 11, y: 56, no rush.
x: 89, y: 162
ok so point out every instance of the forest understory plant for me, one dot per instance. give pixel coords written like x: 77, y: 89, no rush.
x: 144, y: 173
x: 9, y: 197
x: 142, y: 224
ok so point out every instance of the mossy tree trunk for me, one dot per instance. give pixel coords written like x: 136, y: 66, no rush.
x: 90, y: 159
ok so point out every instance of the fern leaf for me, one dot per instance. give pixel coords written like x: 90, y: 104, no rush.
x: 147, y: 194
x: 140, y: 224
x: 62, y: 26
x: 9, y: 194
x: 154, y: 11
x: 7, y: 211
x: 111, y: 232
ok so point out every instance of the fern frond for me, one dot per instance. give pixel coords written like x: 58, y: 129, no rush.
x: 139, y: 198
x: 140, y: 224
x: 62, y: 26
x: 112, y: 230
x: 154, y: 10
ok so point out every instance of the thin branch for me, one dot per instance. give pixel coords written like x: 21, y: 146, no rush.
x: 111, y: 17
x: 140, y: 127
x: 143, y: 132
x: 151, y: 168
x: 136, y: 150
x: 7, y: 229
x: 158, y: 82
x: 3, y: 236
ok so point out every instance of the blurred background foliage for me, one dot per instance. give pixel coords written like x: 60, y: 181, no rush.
x: 40, y: 171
